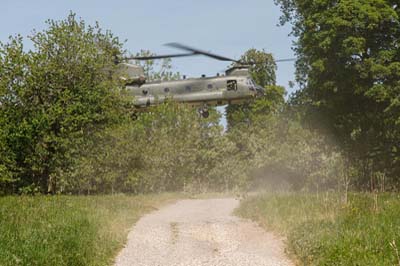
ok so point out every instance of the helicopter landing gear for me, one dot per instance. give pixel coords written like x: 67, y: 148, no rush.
x: 203, y: 111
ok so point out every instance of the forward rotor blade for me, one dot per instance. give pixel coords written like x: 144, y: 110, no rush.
x: 157, y: 56
x: 285, y: 60
x: 197, y: 51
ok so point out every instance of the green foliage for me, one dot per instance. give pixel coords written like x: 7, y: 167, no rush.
x: 262, y: 66
x: 168, y: 148
x: 321, y: 230
x: 6, y: 162
x: 282, y: 153
x: 53, y: 97
x: 66, y: 230
x: 348, y: 67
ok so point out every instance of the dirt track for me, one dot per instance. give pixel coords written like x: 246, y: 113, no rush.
x: 200, y: 232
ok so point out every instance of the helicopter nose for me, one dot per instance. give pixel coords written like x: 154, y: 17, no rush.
x: 253, y: 91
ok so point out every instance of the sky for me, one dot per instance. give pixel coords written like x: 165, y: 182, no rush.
x: 226, y: 27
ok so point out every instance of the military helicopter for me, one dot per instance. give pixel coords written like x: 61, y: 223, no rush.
x: 236, y: 86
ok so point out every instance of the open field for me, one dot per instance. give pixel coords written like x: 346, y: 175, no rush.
x: 69, y: 230
x: 322, y: 230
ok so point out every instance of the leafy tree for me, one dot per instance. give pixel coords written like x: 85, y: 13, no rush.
x: 170, y: 148
x: 262, y: 66
x: 55, y: 96
x: 262, y: 70
x: 349, y: 69
x: 7, y: 163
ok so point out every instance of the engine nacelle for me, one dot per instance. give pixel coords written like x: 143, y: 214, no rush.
x: 131, y: 74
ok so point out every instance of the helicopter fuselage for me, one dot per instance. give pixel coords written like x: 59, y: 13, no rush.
x: 219, y: 90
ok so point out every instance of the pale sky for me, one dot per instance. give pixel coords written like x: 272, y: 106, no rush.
x: 226, y: 27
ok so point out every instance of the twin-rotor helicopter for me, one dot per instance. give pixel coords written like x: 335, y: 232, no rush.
x: 235, y: 87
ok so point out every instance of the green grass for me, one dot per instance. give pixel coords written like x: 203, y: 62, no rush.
x: 69, y: 230
x: 321, y: 230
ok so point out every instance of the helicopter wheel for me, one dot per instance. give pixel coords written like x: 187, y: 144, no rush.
x: 204, y: 112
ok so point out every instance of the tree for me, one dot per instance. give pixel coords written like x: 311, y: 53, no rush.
x: 349, y: 70
x: 55, y: 96
x: 262, y: 70
x: 262, y: 66
x: 170, y: 148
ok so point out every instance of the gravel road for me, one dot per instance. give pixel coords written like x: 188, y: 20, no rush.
x: 200, y: 232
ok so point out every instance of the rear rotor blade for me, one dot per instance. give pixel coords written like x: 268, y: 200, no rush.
x: 197, y: 51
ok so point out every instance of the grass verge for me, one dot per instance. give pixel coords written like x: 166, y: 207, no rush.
x: 69, y: 230
x: 321, y: 230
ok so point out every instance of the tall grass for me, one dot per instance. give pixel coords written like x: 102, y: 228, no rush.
x: 322, y: 230
x: 68, y: 230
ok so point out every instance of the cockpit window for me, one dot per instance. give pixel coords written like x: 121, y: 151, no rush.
x: 231, y: 84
